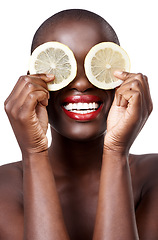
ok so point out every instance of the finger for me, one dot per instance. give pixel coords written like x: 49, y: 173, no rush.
x: 148, y: 96
x: 127, y: 77
x: 131, y: 99
x: 32, y: 100
x: 131, y: 84
x: 45, y: 77
x: 122, y: 75
x: 138, y: 81
x: 136, y: 78
x: 134, y: 85
x: 40, y: 79
x: 142, y: 80
x: 29, y: 89
x: 126, y: 92
x: 121, y: 101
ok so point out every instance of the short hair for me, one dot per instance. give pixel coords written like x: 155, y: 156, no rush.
x: 76, y: 15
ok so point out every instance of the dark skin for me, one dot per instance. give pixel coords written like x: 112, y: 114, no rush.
x: 86, y: 185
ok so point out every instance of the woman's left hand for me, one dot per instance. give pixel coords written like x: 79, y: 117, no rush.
x: 130, y: 109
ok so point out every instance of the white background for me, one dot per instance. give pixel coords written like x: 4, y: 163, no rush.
x: 135, y: 22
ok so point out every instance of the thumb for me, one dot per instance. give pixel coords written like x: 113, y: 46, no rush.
x: 122, y: 75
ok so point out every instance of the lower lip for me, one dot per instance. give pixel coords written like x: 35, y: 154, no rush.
x: 83, y: 117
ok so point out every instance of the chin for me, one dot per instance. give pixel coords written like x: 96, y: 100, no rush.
x: 82, y: 132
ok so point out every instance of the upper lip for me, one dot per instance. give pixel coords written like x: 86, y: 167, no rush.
x: 82, y: 99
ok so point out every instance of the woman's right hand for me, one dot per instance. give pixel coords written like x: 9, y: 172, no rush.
x: 26, y: 110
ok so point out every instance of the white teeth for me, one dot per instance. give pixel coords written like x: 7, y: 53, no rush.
x: 82, y: 112
x: 90, y: 105
x: 82, y: 107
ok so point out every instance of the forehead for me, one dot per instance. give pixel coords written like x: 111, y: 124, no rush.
x: 79, y: 36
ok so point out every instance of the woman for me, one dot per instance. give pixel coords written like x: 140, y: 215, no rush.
x: 86, y: 185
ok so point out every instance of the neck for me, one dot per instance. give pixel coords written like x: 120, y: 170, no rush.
x: 75, y: 157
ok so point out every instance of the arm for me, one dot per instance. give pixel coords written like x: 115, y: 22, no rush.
x: 42, y: 212
x: 146, y: 213
x: 115, y: 215
x: 132, y: 105
x: 26, y: 109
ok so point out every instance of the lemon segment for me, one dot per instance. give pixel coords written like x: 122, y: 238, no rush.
x: 54, y: 58
x: 101, y: 62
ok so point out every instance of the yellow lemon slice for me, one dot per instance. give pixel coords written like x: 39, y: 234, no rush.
x: 54, y: 58
x: 101, y: 62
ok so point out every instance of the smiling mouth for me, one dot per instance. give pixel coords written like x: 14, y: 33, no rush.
x: 82, y: 108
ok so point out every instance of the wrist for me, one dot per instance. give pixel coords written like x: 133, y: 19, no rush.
x: 116, y: 150
x: 114, y: 143
x: 115, y: 155
x: 34, y: 157
x: 115, y: 147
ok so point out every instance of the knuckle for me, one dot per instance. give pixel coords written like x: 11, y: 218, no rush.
x: 145, y: 78
x: 125, y: 75
x: 139, y: 76
x: 138, y: 95
x: 14, y: 113
x: 7, y: 106
x: 22, y: 116
x: 136, y: 84
x: 146, y: 81
x: 23, y: 78
x: 150, y: 107
x: 31, y: 96
x: 30, y: 86
x: 11, y: 110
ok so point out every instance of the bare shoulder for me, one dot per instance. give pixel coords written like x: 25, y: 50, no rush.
x: 144, y: 172
x: 11, y: 200
x: 145, y: 166
x: 144, y: 158
x: 11, y: 176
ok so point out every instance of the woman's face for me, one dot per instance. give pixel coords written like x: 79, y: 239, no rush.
x: 79, y: 36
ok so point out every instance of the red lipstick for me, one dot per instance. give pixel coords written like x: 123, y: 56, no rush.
x: 82, y: 98
x: 82, y: 107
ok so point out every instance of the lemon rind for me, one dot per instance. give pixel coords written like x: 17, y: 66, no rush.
x: 91, y: 54
x: 55, y: 86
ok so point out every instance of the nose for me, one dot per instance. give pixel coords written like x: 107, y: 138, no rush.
x: 81, y: 82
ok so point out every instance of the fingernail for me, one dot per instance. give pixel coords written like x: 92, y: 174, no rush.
x: 50, y: 76
x: 117, y: 72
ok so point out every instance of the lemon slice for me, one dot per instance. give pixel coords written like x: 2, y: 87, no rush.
x: 101, y: 62
x: 54, y: 58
